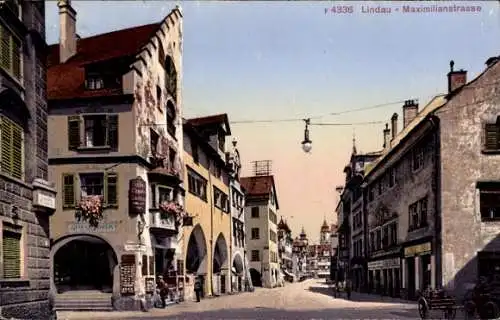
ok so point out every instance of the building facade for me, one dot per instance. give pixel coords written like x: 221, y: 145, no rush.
x: 239, y: 270
x: 285, y: 251
x: 27, y: 198
x: 299, y: 248
x: 261, y: 224
x: 323, y: 252
x: 429, y: 224
x: 120, y: 194
x: 208, y: 240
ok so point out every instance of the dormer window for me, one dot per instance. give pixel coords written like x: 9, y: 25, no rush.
x: 94, y: 82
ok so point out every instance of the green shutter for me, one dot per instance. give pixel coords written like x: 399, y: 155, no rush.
x: 113, y: 132
x: 68, y: 190
x: 491, y: 136
x: 15, y: 57
x: 111, y: 189
x: 17, y: 152
x: 6, y: 145
x: 11, y: 245
x: 4, y: 48
x: 73, y: 132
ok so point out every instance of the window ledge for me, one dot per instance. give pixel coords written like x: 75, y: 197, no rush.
x: 14, y: 283
x: 90, y: 149
x: 490, y: 220
x: 489, y: 151
x: 15, y: 180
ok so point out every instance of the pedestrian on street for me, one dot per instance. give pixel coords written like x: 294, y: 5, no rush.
x: 162, y: 288
x: 197, y: 289
x: 348, y: 289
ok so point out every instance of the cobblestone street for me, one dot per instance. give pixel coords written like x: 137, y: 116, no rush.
x: 306, y: 300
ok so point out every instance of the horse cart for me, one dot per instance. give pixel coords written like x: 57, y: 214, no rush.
x: 436, y: 299
x: 483, y: 301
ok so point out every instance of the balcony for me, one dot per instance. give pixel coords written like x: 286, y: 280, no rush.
x: 162, y: 222
x: 165, y: 170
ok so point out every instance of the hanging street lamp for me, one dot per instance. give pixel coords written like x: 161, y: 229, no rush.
x: 307, y: 143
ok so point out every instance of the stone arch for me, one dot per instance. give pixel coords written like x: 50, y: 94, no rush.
x: 256, y: 277
x: 220, y: 256
x: 196, y: 255
x: 73, y: 268
x: 238, y: 264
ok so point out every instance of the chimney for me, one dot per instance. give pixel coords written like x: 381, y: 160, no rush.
x: 387, y: 136
x: 410, y: 111
x: 67, y: 32
x: 394, y: 125
x: 491, y: 61
x: 456, y: 79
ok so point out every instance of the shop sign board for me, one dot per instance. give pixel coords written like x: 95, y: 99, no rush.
x: 418, y: 249
x: 384, y: 264
x: 84, y: 227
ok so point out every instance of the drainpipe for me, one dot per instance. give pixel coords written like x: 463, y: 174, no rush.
x: 437, y: 203
x: 211, y: 226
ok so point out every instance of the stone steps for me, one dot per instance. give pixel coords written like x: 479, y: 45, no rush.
x: 84, y: 301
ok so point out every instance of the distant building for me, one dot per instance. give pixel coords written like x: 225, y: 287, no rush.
x: 319, y: 255
x: 261, y: 223
x: 285, y: 242
x: 300, y: 246
x: 239, y: 265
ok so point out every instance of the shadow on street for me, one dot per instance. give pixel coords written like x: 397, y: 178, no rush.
x: 268, y: 313
x: 358, y: 297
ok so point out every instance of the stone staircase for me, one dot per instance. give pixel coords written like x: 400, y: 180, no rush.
x: 83, y: 301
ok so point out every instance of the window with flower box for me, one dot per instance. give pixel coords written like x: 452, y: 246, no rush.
x: 90, y: 184
x: 10, y: 53
x: 159, y: 194
x: 12, y: 148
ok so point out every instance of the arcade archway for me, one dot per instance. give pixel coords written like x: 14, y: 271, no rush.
x: 196, y: 255
x: 84, y: 263
x: 220, y: 255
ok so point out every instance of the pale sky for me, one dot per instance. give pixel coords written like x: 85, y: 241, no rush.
x: 281, y: 60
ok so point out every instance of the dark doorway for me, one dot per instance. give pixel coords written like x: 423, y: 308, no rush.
x: 426, y: 271
x: 410, y: 275
x: 256, y: 278
x: 84, y: 265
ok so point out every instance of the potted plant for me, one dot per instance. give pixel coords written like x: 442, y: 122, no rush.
x: 90, y: 209
x: 170, y: 207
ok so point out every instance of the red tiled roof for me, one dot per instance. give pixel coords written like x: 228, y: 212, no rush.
x: 258, y: 185
x: 211, y: 120
x: 67, y: 80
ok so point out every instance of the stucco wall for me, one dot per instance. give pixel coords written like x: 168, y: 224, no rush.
x: 462, y: 166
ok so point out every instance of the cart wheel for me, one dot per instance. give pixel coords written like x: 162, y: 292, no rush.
x: 450, y: 313
x: 470, y: 310
x: 489, y: 311
x: 423, y: 309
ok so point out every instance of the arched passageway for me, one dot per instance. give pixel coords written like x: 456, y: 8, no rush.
x: 196, y: 255
x: 237, y: 271
x: 256, y: 277
x: 220, y: 254
x: 84, y: 263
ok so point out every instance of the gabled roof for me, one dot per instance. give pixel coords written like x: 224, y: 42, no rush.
x: 218, y: 119
x: 259, y: 186
x: 434, y: 104
x: 67, y: 80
